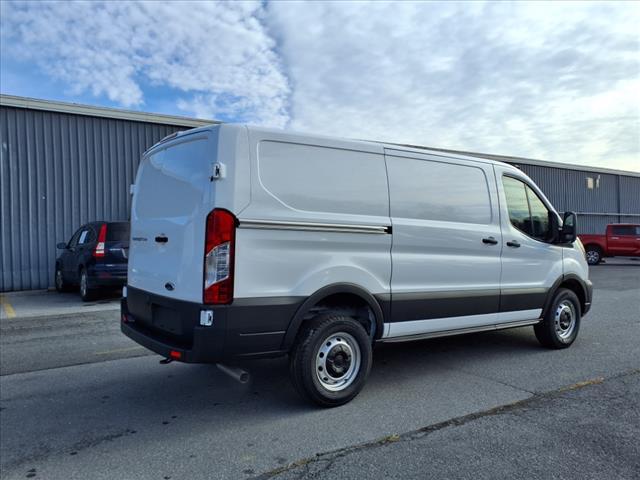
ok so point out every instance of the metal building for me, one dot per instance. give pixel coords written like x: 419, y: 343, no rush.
x: 63, y: 164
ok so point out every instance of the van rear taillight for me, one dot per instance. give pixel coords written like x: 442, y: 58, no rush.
x: 102, y: 237
x: 218, y: 257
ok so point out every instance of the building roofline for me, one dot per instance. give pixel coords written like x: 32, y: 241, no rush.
x: 89, y: 110
x: 116, y: 113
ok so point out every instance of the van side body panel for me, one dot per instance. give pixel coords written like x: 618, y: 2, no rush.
x: 297, y: 235
x: 305, y: 250
x: 232, y: 191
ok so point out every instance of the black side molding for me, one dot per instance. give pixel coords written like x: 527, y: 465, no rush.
x: 586, y: 290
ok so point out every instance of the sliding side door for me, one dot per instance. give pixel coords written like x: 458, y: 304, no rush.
x: 446, y: 244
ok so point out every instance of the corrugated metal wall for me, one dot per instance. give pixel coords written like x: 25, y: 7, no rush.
x: 58, y: 171
x: 569, y: 190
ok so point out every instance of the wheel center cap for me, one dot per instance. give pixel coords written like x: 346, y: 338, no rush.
x: 338, y: 361
x: 564, y: 319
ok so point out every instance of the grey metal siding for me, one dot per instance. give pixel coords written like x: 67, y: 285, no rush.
x: 58, y: 171
x: 551, y: 181
x: 630, y: 195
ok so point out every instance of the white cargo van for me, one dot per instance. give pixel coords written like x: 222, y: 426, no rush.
x: 248, y: 242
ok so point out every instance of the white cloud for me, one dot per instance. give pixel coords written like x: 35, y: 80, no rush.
x: 218, y: 53
x: 552, y: 81
x: 556, y: 81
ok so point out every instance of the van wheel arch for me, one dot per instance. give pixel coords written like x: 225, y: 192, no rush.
x: 348, y: 299
x: 571, y: 282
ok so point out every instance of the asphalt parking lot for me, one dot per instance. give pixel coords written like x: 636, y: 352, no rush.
x: 79, y: 400
x: 49, y: 303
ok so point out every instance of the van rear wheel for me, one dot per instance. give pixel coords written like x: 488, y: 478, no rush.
x: 331, y: 360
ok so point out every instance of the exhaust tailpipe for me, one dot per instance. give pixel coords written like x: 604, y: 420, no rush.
x: 236, y: 373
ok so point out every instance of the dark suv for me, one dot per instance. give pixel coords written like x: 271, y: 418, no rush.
x: 94, y: 258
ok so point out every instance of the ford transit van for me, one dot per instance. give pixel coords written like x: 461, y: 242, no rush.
x: 248, y: 242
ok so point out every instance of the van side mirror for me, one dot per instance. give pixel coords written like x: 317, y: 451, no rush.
x: 568, y: 234
x: 61, y: 246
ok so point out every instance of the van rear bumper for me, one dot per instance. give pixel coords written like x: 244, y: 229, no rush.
x: 171, y: 328
x: 150, y: 343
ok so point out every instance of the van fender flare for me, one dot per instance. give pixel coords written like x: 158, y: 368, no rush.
x: 586, y: 294
x: 327, y: 291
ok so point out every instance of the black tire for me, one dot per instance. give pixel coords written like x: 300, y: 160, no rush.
x: 58, y: 280
x: 593, y: 254
x: 87, y: 294
x: 559, y: 330
x: 322, y: 331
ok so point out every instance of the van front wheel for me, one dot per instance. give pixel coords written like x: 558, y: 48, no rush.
x: 331, y: 360
x: 561, y: 323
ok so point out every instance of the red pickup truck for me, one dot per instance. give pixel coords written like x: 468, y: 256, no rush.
x: 621, y: 240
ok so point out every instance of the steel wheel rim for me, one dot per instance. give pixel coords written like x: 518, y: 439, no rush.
x: 83, y: 284
x: 565, y: 319
x: 59, y: 279
x: 338, y: 361
x: 592, y: 257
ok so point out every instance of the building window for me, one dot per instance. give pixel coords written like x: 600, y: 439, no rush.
x: 593, y: 182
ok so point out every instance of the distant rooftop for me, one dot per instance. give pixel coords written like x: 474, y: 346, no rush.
x: 92, y: 111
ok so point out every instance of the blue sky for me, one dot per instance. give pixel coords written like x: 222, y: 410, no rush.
x: 555, y: 81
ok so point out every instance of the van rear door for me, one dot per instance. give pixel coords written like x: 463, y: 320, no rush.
x: 172, y: 196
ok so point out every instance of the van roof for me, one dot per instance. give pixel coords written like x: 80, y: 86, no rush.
x: 390, y: 146
x: 354, y: 142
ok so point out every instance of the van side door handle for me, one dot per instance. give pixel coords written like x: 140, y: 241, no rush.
x: 513, y: 243
x: 162, y: 239
x: 490, y: 241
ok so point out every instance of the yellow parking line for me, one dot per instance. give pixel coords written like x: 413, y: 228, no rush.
x: 118, y: 350
x: 6, y: 306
